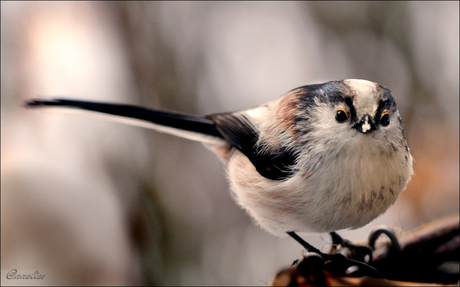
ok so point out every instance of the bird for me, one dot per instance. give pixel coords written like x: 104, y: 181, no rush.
x: 320, y: 158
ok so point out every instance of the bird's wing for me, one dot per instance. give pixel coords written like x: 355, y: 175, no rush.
x: 182, y: 125
x: 237, y: 129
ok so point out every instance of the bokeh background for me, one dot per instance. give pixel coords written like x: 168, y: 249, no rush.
x: 86, y: 201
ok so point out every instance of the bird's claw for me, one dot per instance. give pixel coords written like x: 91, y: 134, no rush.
x: 357, y: 252
x: 313, y: 264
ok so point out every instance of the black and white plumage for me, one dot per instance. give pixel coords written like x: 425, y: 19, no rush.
x: 318, y: 159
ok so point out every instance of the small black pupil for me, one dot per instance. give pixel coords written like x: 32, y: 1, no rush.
x: 341, y: 116
x: 385, y: 120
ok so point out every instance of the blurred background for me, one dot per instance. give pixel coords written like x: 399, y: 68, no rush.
x: 91, y: 202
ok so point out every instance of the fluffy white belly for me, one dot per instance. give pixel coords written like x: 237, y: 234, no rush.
x: 337, y: 193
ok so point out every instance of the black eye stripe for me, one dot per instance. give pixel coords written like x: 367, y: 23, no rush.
x: 383, y: 105
x: 351, y: 107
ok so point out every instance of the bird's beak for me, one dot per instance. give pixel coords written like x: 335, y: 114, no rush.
x: 365, y: 125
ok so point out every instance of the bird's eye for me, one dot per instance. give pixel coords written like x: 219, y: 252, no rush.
x: 341, y: 115
x: 385, y: 119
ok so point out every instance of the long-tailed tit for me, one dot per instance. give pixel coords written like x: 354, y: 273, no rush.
x: 318, y: 159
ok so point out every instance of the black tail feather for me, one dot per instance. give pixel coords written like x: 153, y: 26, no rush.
x: 174, y: 120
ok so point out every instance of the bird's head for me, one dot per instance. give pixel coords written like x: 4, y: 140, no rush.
x: 338, y: 109
x: 364, y: 106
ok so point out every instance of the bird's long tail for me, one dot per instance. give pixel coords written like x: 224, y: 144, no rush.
x: 182, y: 125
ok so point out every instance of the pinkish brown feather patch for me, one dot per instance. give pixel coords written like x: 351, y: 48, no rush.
x: 288, y: 109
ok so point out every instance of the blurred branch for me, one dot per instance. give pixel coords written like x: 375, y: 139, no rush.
x: 161, y: 79
x: 158, y: 70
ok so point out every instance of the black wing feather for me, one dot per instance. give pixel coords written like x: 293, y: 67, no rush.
x: 239, y: 132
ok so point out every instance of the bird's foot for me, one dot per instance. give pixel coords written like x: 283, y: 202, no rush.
x: 360, y: 253
x: 315, y: 261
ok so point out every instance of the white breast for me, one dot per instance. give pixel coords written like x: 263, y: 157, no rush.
x: 347, y: 188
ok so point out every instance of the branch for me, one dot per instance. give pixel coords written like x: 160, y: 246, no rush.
x: 427, y: 254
